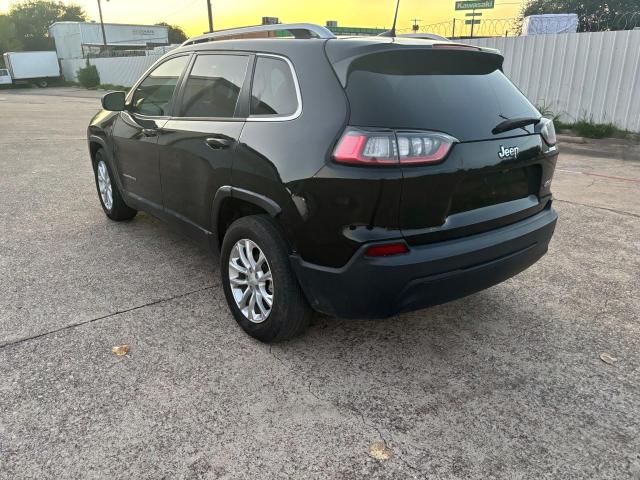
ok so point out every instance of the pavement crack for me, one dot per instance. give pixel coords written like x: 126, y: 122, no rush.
x: 103, y: 317
x: 613, y: 210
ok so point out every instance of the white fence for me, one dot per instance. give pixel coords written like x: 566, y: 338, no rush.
x: 114, y: 70
x: 593, y: 76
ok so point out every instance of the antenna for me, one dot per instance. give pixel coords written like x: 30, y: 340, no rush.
x: 392, y: 32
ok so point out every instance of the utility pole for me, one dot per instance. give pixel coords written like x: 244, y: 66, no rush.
x: 415, y: 26
x: 210, y: 16
x: 104, y: 35
x: 473, y: 20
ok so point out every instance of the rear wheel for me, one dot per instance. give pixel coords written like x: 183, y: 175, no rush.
x: 110, y: 197
x: 259, y: 284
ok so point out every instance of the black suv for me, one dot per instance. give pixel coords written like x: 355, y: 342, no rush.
x: 358, y: 177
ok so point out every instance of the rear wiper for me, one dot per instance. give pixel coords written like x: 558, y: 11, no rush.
x: 513, y: 123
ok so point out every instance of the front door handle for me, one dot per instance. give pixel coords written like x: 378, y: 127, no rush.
x: 150, y: 132
x: 219, y: 143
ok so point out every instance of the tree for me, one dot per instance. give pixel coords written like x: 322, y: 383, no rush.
x: 593, y: 15
x: 32, y: 19
x: 9, y: 41
x: 176, y: 34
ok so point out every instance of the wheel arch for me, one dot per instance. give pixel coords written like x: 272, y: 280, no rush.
x: 231, y: 203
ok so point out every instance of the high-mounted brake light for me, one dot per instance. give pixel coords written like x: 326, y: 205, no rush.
x: 386, y: 250
x: 454, y: 46
x: 385, y: 147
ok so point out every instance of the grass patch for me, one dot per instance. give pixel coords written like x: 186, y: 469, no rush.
x: 102, y: 86
x: 598, y: 130
x: 584, y: 127
x: 112, y: 87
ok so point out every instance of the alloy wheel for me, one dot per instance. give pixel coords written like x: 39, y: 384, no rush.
x: 104, y: 185
x: 251, y: 280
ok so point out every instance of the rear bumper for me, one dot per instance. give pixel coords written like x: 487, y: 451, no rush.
x: 429, y: 274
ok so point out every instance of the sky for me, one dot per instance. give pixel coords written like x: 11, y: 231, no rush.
x: 191, y: 15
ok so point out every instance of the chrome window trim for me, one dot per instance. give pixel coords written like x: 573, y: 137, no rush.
x: 277, y: 118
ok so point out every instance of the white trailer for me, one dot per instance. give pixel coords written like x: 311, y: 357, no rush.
x: 32, y: 67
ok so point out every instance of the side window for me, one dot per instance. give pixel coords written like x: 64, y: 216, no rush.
x: 273, y: 91
x: 213, y: 86
x: 153, y: 95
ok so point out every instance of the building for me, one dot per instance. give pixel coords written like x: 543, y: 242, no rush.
x: 84, y: 39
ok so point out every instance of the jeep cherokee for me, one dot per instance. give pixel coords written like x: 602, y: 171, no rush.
x: 359, y: 177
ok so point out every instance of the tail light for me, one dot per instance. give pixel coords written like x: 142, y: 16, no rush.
x: 548, y: 131
x: 385, y: 147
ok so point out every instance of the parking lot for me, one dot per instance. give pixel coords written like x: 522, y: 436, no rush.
x: 507, y: 383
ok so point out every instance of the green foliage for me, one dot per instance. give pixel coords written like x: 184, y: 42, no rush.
x: 9, y: 41
x: 88, y: 76
x: 31, y: 20
x: 592, y: 14
x: 176, y: 34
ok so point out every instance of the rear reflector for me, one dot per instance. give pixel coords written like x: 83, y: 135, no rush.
x: 386, y: 250
x: 385, y: 147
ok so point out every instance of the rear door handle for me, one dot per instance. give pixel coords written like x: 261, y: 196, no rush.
x: 219, y: 143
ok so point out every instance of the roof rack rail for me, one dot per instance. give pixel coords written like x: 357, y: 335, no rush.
x: 298, y: 30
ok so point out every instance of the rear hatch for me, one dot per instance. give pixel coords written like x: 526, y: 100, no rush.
x: 488, y: 178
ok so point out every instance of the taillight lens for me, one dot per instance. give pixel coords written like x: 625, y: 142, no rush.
x: 376, y: 147
x: 548, y: 131
x: 371, y: 148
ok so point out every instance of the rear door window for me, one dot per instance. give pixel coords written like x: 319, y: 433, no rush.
x: 213, y: 86
x: 458, y: 93
x: 273, y: 91
x: 153, y: 96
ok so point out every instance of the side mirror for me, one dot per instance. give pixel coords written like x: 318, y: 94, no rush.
x: 113, y: 101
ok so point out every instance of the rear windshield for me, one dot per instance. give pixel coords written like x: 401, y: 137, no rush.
x: 464, y: 94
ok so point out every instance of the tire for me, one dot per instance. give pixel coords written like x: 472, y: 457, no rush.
x: 289, y: 314
x: 42, y: 83
x: 113, y: 204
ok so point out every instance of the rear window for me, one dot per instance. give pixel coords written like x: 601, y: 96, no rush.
x: 464, y: 94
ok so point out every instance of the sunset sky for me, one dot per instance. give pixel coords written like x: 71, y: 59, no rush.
x: 192, y: 14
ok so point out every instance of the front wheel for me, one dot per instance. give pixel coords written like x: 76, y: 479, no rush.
x: 108, y: 192
x: 259, y: 284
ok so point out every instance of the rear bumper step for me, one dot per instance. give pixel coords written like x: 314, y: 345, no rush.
x: 429, y: 274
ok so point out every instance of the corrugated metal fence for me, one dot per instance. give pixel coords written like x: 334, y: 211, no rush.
x: 114, y: 70
x: 593, y: 76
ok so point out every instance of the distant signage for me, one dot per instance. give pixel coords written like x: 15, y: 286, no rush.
x: 475, y: 4
x: 472, y: 22
x: 143, y: 31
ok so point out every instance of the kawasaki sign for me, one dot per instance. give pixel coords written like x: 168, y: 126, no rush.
x: 475, y: 4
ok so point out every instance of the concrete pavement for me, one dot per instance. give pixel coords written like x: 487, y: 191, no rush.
x: 507, y: 383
